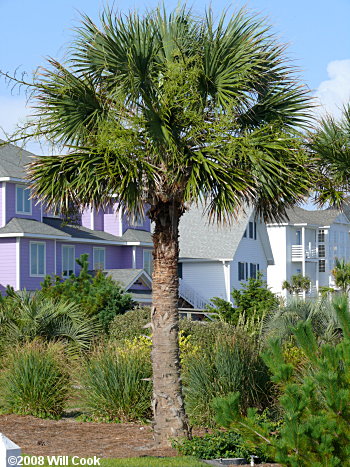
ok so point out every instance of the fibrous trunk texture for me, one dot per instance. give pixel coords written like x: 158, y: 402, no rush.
x: 170, y: 420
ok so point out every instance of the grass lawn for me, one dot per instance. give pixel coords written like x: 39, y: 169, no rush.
x: 139, y: 462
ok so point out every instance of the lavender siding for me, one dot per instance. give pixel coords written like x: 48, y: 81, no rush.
x: 7, y: 263
x: 28, y: 282
x: 111, y: 220
x: 116, y: 257
x: 1, y: 223
x: 98, y: 220
x: 86, y: 218
x: 145, y: 226
x: 11, y: 205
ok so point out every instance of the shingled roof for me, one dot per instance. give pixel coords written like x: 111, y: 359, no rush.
x: 299, y: 215
x: 13, y: 160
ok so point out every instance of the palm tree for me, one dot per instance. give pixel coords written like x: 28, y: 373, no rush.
x: 341, y: 274
x: 165, y: 110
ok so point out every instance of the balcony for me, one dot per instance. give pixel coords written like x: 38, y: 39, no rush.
x: 309, y: 252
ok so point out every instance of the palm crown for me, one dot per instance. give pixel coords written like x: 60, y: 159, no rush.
x: 168, y: 107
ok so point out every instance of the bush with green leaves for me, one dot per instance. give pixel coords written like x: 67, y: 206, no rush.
x: 35, y: 381
x: 98, y: 295
x: 216, y: 445
x: 117, y: 383
x: 25, y: 316
x: 253, y: 298
x: 233, y: 364
x: 131, y: 324
x: 315, y: 429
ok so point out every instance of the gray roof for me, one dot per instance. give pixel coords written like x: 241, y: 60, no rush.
x: 201, y: 240
x: 135, y: 235
x: 77, y: 231
x: 13, y: 160
x: 141, y: 295
x: 126, y: 277
x: 299, y: 215
x: 30, y: 226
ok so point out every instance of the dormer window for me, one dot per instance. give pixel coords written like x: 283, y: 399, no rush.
x: 23, y: 201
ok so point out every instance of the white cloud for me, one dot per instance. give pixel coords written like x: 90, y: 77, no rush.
x: 333, y: 93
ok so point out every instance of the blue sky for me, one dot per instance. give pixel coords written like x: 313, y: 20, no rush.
x: 316, y: 30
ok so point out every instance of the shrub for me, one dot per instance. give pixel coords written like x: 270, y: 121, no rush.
x: 97, y: 295
x: 34, y: 381
x: 316, y: 415
x: 253, y: 298
x: 25, y: 317
x: 117, y: 383
x: 205, y: 334
x: 219, y: 444
x: 131, y: 324
x: 233, y: 364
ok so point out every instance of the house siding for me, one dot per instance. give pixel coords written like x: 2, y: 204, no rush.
x: 98, y: 220
x: 127, y: 225
x: 86, y: 216
x: 11, y: 205
x: 7, y: 263
x: 26, y: 281
x: 111, y: 219
x: 206, y: 278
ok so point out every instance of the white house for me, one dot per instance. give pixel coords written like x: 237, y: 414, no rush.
x: 308, y: 243
x: 214, y: 258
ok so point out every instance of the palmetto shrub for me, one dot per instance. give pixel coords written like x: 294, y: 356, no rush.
x: 34, y: 381
x: 234, y: 364
x: 117, y: 382
x: 25, y: 317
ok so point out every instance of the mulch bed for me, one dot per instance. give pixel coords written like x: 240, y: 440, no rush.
x: 69, y: 437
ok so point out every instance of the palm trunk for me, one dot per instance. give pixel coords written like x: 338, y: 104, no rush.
x: 168, y: 407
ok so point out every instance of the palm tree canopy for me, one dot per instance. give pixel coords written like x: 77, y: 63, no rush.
x: 171, y: 108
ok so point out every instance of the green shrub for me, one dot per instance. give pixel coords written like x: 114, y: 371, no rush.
x: 117, y: 384
x: 233, y: 364
x: 131, y: 324
x: 205, y: 333
x: 34, y: 381
x: 25, y: 317
x: 316, y: 413
x: 220, y: 444
x: 253, y: 298
x: 97, y: 295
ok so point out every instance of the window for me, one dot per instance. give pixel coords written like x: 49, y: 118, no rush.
x: 148, y: 261
x: 23, y: 202
x: 68, y: 260
x: 37, y: 258
x: 321, y: 251
x: 253, y: 270
x: 252, y: 230
x: 241, y: 271
x: 245, y: 234
x: 298, y: 235
x: 322, y: 265
x: 321, y: 236
x: 99, y: 258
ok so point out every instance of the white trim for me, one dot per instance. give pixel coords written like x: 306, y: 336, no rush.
x: 134, y: 257
x: 120, y: 216
x: 95, y: 248
x: 227, y: 271
x: 148, y: 251
x: 67, y: 246
x: 74, y: 239
x: 141, y: 275
x: 18, y: 263
x: 23, y: 213
x: 3, y: 203
x: 92, y: 219
x: 14, y: 179
x: 202, y: 260
x: 30, y: 260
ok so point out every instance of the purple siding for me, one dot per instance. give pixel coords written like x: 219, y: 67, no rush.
x: 111, y: 220
x: 86, y: 218
x: 7, y: 263
x: 116, y: 256
x: 28, y: 282
x: 145, y: 226
x: 139, y: 287
x: 1, y: 224
x: 98, y: 220
x: 11, y: 205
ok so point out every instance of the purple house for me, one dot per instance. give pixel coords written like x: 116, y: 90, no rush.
x: 34, y: 243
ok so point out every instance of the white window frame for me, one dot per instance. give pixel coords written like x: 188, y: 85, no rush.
x: 24, y: 187
x: 150, y: 253
x: 30, y: 259
x: 98, y: 248
x: 70, y: 247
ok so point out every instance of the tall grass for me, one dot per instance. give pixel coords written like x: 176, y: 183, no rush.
x: 117, y: 384
x: 34, y: 381
x: 233, y: 365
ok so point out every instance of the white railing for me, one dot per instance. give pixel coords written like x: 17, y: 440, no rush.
x: 192, y: 296
x: 297, y: 252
